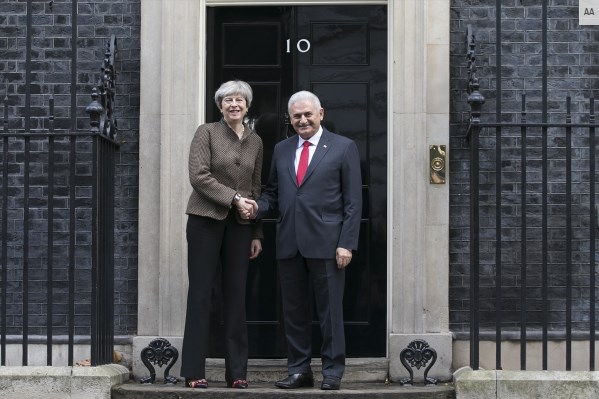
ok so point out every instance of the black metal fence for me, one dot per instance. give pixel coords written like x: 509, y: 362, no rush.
x: 533, y: 221
x: 57, y: 212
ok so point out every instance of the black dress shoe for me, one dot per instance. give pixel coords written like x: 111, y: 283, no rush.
x: 330, y: 383
x: 301, y: 380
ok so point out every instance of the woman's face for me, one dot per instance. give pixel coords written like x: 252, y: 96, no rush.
x: 234, y: 108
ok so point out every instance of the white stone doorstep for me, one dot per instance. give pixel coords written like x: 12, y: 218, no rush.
x: 51, y: 382
x: 525, y: 384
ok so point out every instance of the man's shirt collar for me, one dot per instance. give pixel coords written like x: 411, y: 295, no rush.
x: 313, y: 140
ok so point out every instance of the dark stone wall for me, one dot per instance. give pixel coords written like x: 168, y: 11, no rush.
x: 51, y: 56
x: 573, y: 52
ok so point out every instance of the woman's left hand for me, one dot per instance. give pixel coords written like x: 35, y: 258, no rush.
x: 255, y: 248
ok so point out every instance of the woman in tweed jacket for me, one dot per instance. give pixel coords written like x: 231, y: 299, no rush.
x: 225, y: 166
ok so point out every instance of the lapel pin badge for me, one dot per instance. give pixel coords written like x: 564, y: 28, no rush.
x: 324, y: 145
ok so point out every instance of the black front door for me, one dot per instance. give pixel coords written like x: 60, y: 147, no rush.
x: 340, y: 54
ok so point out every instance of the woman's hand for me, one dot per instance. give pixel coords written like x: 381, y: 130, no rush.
x: 255, y: 248
x: 247, y: 208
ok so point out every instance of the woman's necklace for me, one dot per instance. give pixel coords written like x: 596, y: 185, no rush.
x: 238, y: 129
x: 240, y: 133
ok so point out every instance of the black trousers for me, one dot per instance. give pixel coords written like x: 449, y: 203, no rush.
x: 212, y: 243
x: 296, y: 274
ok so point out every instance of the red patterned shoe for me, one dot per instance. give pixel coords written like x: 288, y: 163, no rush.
x: 239, y: 384
x: 191, y: 383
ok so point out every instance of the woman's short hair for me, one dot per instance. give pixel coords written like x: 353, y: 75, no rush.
x: 233, y: 87
x: 303, y: 95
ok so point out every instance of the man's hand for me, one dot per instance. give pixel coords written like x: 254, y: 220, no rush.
x: 343, y: 257
x: 248, y: 209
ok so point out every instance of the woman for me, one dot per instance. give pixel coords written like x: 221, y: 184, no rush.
x: 225, y: 165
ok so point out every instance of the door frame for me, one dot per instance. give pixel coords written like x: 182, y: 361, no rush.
x: 172, y: 105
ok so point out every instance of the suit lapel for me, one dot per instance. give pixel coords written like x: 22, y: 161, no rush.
x: 290, y: 151
x: 324, y: 144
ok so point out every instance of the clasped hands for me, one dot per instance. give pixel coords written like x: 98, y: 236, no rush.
x: 247, y: 208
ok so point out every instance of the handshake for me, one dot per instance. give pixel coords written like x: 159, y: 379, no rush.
x: 247, y: 208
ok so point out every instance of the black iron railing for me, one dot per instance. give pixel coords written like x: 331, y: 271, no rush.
x: 57, y: 256
x: 533, y: 222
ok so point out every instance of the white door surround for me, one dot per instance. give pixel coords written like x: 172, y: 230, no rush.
x: 172, y: 103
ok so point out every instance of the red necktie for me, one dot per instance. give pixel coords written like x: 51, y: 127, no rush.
x: 303, y: 163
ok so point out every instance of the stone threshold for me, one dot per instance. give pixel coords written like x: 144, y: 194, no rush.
x: 270, y: 370
x: 262, y: 390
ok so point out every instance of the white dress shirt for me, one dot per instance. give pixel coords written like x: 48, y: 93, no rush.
x: 300, y: 146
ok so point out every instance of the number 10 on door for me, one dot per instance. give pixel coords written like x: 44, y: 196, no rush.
x: 302, y: 45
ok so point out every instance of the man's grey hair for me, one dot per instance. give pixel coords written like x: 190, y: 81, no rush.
x: 233, y: 87
x: 303, y: 95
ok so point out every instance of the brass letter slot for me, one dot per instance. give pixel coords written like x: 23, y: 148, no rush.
x: 437, y: 164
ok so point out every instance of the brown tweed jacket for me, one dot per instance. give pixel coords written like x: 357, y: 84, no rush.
x: 220, y: 165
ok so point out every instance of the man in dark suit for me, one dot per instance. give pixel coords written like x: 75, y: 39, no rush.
x: 315, y: 185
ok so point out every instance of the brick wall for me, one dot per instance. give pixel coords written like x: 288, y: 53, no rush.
x: 572, y: 71
x: 51, y: 68
x: 573, y: 55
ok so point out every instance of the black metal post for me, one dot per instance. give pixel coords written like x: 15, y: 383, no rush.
x: 498, y: 145
x: 104, y: 129
x: 4, y: 233
x: 95, y: 300
x: 25, y: 281
x: 72, y: 178
x: 568, y: 236
x: 49, y: 276
x: 544, y: 227
x: 476, y: 100
x: 592, y: 227
x: 523, y: 239
x: 72, y: 235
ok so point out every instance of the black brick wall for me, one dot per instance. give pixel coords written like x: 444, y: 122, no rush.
x: 573, y: 59
x: 51, y: 57
x: 572, y: 71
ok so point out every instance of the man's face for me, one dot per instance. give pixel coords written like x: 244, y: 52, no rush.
x: 305, y: 118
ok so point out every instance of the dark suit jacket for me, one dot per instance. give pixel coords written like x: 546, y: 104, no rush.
x: 324, y: 212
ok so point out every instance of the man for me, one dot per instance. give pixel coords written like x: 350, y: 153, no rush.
x: 316, y: 187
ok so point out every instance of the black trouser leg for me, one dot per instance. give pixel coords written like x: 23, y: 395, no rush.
x: 293, y: 276
x: 235, y: 259
x: 329, y: 284
x: 204, y: 238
